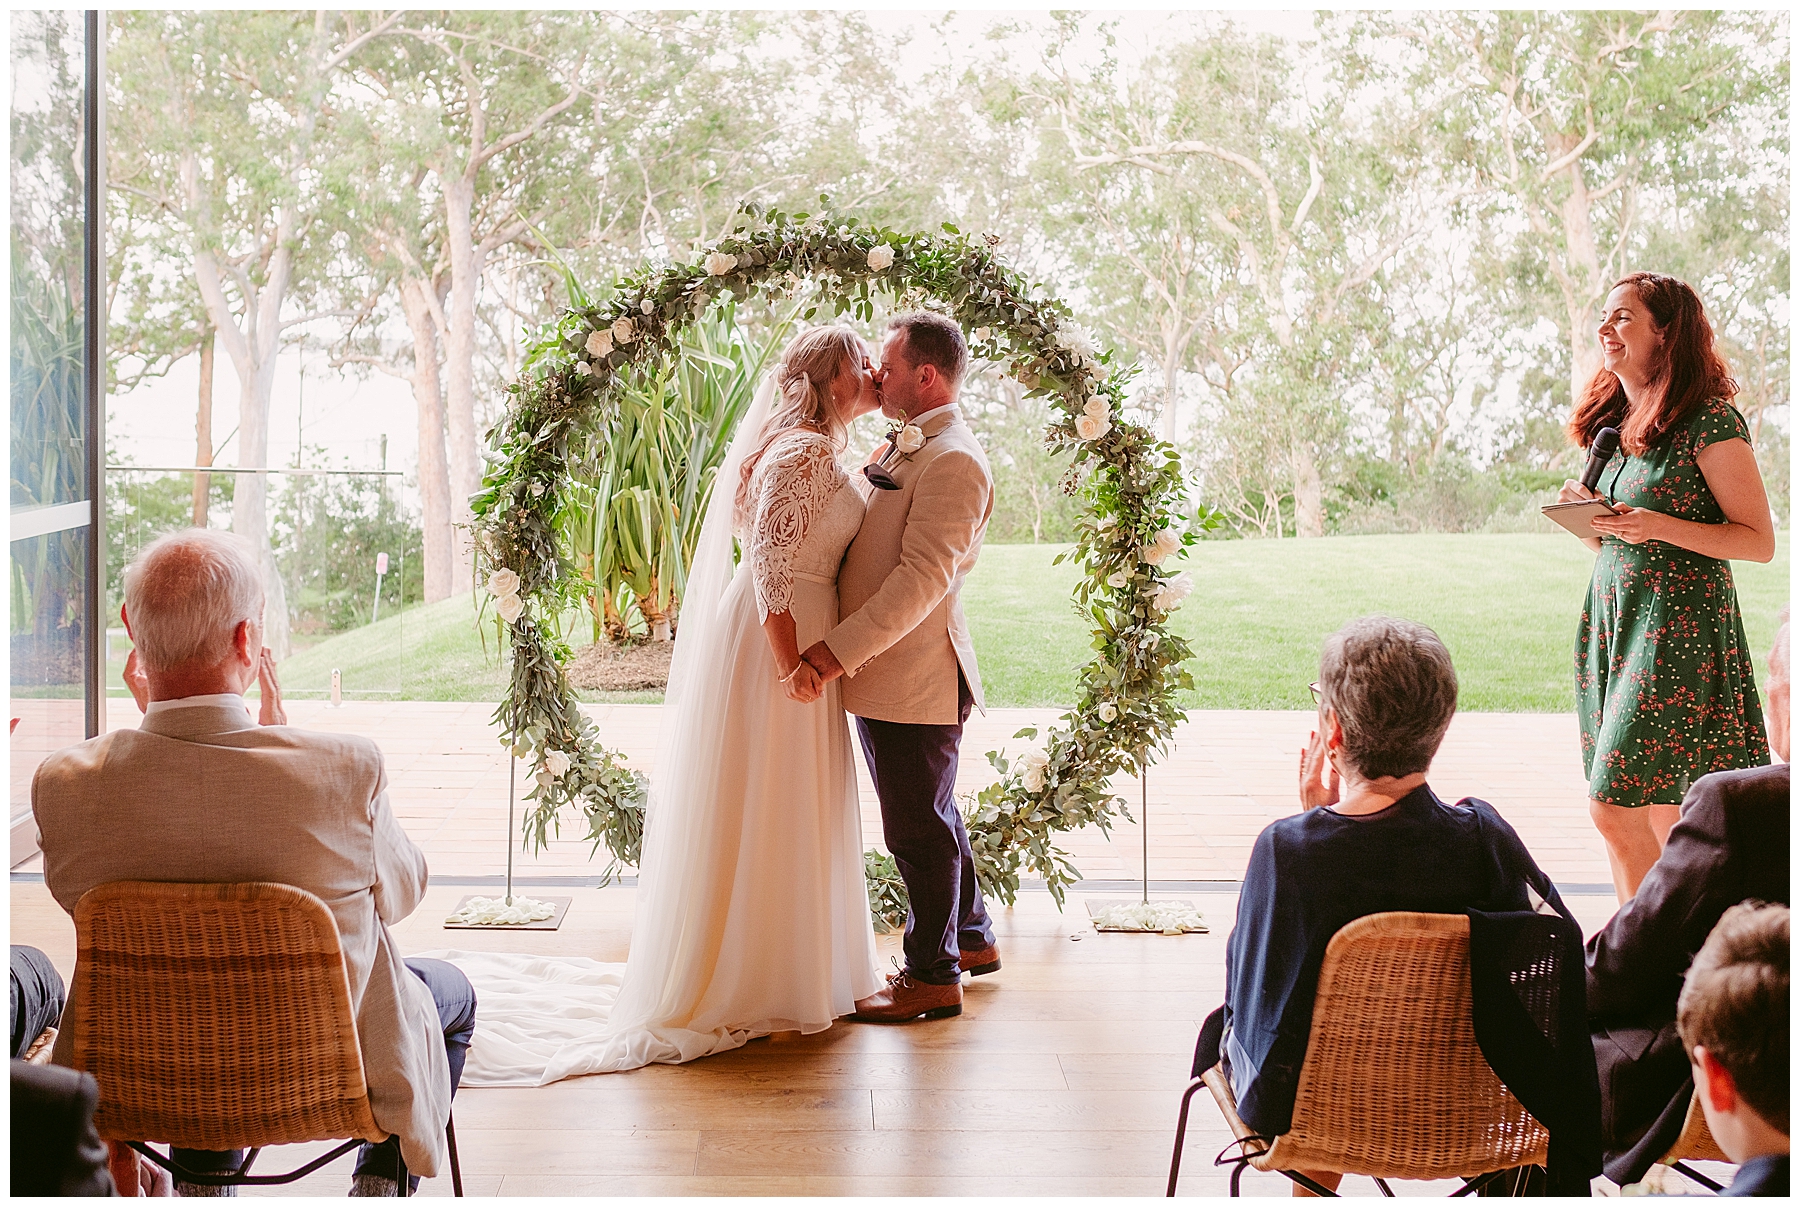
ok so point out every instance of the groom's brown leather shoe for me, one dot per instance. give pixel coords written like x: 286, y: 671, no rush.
x: 905, y: 999
x: 980, y: 963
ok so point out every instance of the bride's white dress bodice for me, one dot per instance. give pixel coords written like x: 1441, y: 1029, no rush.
x: 801, y: 513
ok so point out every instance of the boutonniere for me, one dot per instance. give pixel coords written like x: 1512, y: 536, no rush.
x: 903, y: 438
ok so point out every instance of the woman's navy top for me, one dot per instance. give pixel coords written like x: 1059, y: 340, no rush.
x: 1313, y: 873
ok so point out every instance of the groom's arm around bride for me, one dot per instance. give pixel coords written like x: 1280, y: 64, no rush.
x: 909, y: 665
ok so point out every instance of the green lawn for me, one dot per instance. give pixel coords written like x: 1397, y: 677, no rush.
x: 1505, y: 604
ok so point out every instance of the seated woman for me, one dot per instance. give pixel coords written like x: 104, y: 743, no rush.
x: 1372, y: 837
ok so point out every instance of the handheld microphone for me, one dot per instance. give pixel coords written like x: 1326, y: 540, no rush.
x: 1606, y: 443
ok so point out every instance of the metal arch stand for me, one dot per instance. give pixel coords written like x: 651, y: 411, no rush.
x: 1096, y: 905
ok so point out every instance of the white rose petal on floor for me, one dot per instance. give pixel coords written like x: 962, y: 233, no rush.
x: 1162, y: 917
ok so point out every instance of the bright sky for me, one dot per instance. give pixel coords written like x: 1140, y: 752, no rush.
x: 153, y: 425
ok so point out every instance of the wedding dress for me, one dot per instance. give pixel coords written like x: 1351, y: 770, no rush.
x: 752, y: 915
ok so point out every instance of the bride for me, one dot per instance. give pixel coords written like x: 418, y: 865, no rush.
x: 752, y: 915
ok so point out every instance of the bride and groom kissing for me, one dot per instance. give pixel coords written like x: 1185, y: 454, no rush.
x: 752, y: 915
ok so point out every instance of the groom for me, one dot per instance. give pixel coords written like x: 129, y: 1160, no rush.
x: 908, y: 663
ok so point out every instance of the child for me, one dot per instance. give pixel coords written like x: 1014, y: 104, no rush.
x: 1733, y: 1017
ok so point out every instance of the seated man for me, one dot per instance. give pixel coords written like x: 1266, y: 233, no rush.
x: 37, y: 997
x: 1733, y: 1018
x: 201, y: 793
x: 1372, y: 837
x: 1730, y: 845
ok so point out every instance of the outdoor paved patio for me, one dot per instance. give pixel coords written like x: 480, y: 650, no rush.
x: 1230, y: 774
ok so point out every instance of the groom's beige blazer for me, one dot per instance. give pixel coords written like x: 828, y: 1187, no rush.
x: 201, y: 793
x: 904, y: 635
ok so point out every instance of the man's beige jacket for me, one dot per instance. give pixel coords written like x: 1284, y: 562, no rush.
x: 204, y: 794
x: 903, y: 635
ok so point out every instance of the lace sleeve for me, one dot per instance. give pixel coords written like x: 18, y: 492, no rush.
x: 794, y: 484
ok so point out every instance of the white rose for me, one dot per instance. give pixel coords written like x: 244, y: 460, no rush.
x: 583, y: 369
x: 1092, y: 427
x: 1168, y: 597
x: 1100, y: 371
x: 1098, y: 407
x: 910, y: 439
x: 599, y: 343
x: 556, y: 763
x: 647, y: 306
x: 1118, y: 578
x: 1158, y: 551
x: 1109, y: 713
x: 880, y: 256
x: 510, y: 608
x: 1033, y: 765
x: 503, y: 583
x: 719, y: 263
x: 624, y: 331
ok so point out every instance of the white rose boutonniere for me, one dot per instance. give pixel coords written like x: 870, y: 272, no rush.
x: 881, y: 257
x: 1092, y: 427
x: 719, y: 263
x: 1168, y: 597
x: 624, y: 331
x: 502, y: 583
x: 510, y: 607
x: 599, y: 343
x: 1033, y: 767
x: 1109, y: 712
x: 909, y: 439
x: 1161, y: 549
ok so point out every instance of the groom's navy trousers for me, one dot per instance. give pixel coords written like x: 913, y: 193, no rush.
x: 914, y: 769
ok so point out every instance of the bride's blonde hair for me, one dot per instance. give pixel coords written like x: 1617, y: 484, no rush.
x: 809, y: 364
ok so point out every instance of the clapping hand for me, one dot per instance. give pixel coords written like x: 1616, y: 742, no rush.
x: 802, y: 684
x: 1318, y: 774
x: 272, y: 711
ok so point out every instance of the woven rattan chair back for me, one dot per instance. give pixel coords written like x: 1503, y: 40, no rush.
x: 1696, y: 1141
x: 216, y: 1016
x: 1394, y: 1084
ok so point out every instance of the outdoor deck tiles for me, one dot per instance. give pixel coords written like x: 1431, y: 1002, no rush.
x: 1228, y: 775
x: 1061, y: 1077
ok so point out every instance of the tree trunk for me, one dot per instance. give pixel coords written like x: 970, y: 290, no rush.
x: 1583, y: 288
x: 1309, y: 501
x: 203, y: 451
x: 459, y: 370
x: 434, y: 473
x: 1174, y: 352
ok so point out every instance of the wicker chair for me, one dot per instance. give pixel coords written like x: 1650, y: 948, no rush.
x: 1695, y: 1143
x: 217, y: 1017
x: 1394, y: 1084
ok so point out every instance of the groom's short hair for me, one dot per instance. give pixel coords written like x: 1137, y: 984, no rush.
x: 933, y: 339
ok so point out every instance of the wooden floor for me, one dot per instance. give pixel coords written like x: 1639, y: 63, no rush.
x: 1061, y: 1078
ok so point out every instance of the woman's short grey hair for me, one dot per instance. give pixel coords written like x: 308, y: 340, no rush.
x: 1393, y: 688
x: 185, y: 594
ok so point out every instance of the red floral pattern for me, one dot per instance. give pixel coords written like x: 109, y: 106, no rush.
x: 1663, y: 678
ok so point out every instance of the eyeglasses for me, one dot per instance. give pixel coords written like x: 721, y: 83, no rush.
x: 1317, y: 695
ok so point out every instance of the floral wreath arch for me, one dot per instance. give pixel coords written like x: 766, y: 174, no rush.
x: 1134, y: 522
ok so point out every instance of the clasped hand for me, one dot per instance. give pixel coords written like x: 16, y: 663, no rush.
x: 803, y: 685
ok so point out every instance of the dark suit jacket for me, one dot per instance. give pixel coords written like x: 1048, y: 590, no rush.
x: 1760, y: 1177
x: 55, y: 1149
x: 1730, y: 845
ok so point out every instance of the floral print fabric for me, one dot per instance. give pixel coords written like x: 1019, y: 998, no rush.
x: 1663, y: 679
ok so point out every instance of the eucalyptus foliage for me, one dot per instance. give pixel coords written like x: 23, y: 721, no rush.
x: 576, y: 375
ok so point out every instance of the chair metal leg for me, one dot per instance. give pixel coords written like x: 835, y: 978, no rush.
x: 1311, y: 1185
x: 1688, y: 1171
x: 240, y: 1178
x: 1237, y: 1176
x: 455, y: 1165
x: 1187, y: 1099
x: 1387, y: 1191
x: 1474, y: 1184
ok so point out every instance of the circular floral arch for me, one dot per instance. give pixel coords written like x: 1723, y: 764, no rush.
x: 1133, y: 522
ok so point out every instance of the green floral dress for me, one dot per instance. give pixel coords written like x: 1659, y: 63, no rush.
x: 1663, y: 677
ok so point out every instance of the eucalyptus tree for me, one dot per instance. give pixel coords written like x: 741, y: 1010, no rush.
x: 222, y: 152
x: 1586, y: 124
x: 1294, y: 189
